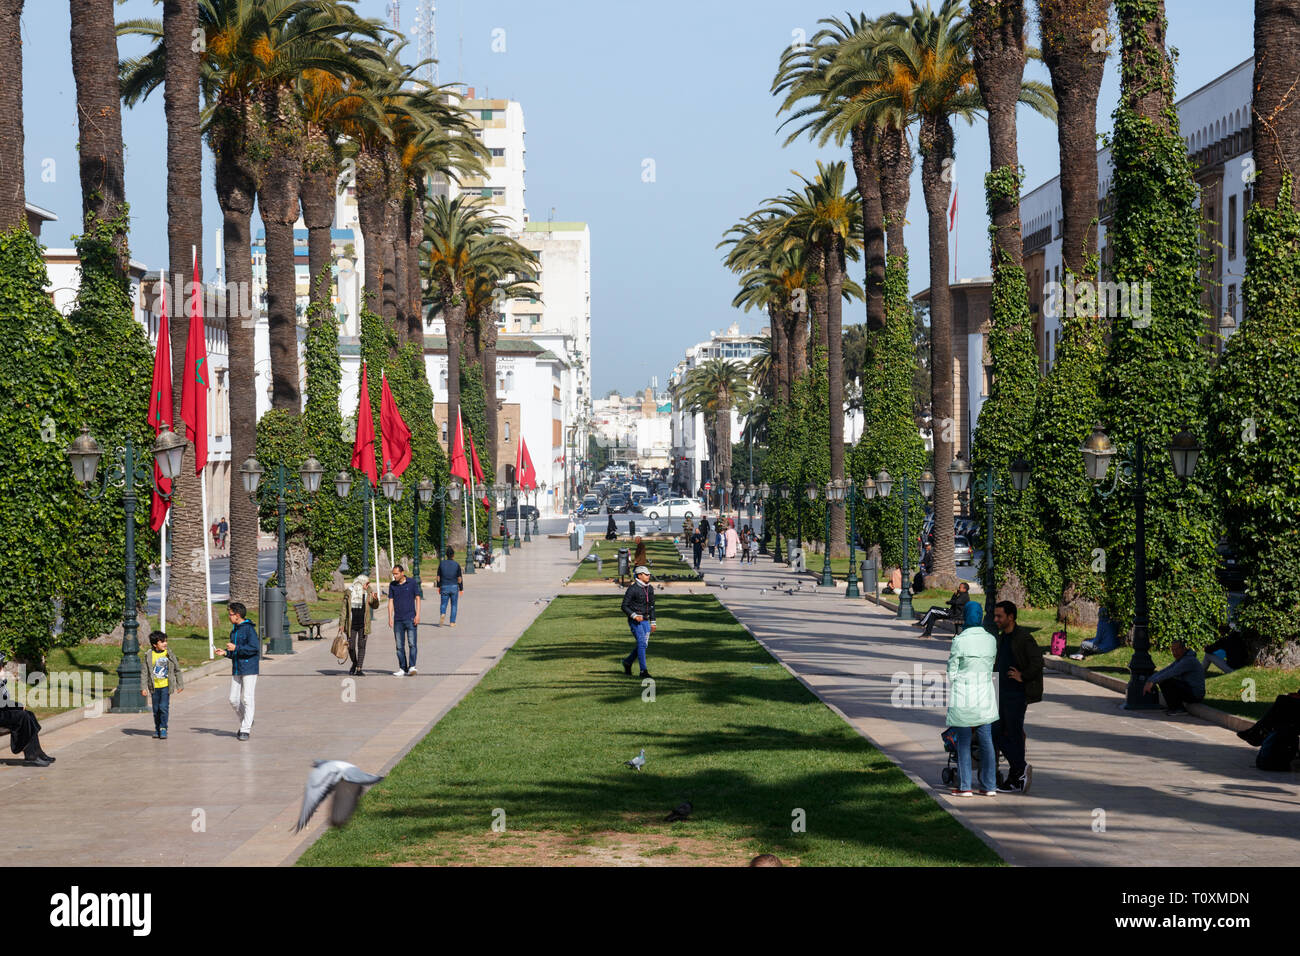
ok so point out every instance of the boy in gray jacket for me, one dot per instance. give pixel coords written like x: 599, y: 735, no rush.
x: 160, y: 673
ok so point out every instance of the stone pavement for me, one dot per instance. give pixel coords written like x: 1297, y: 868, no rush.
x: 117, y: 796
x: 1169, y: 791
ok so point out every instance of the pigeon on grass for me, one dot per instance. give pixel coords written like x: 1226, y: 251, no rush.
x: 680, y: 812
x: 342, y: 779
x: 636, y: 763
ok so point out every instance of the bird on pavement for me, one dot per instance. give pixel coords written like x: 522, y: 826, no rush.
x: 342, y: 779
x: 762, y: 591
x: 680, y: 812
x: 789, y: 591
x: 636, y: 763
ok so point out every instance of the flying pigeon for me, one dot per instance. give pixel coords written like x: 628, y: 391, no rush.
x: 636, y: 763
x: 679, y: 812
x: 340, y: 778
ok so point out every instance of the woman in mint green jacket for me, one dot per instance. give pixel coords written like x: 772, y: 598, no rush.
x: 972, y: 703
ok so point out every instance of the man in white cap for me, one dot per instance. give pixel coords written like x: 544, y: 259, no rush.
x: 639, y: 606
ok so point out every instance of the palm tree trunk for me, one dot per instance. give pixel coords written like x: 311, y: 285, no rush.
x: 454, y: 319
x: 236, y: 188
x: 798, y: 338
x: 817, y: 296
x: 1076, y: 69
x: 186, y: 584
x: 866, y: 168
x: 392, y: 215
x: 413, y: 224
x: 13, y: 198
x: 998, y: 28
x: 316, y: 193
x: 780, y: 367
x: 489, y: 358
x: 99, y: 123
x: 838, y: 543
x: 1277, y: 131
x: 722, y: 441
x: 277, y: 199
x: 936, y: 146
x: 372, y: 194
x: 1145, y: 60
x: 895, y: 185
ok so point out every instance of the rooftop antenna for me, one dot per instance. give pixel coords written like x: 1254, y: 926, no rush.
x: 426, y: 34
x: 395, y: 14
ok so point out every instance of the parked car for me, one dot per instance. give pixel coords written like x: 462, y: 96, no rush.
x: 962, y: 552
x: 676, y: 507
x: 616, y: 504
x: 527, y: 512
x: 590, y: 505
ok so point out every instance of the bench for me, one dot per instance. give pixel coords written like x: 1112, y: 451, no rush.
x: 312, y: 625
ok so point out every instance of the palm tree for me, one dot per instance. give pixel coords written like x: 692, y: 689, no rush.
x: 840, y: 70
x: 1277, y: 131
x: 13, y: 198
x: 714, y: 388
x: 765, y: 283
x: 831, y: 223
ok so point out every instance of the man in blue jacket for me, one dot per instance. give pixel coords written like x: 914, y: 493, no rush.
x: 245, y: 652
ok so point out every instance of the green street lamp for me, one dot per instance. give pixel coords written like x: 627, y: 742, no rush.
x: 987, y: 484
x: 527, y: 537
x: 392, y: 488
x: 834, y: 496
x: 538, y: 494
x: 780, y: 555
x: 441, y: 495
x: 1098, y: 450
x: 84, y: 454
x: 345, y: 488
x: 884, y: 485
x: 309, y: 475
x: 501, y: 492
x: 764, y: 495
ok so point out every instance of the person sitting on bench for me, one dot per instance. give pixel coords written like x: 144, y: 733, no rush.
x: 24, y: 729
x: 1182, y: 682
x: 955, y: 611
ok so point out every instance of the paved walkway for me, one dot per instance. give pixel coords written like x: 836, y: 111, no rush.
x: 117, y: 796
x: 1169, y: 791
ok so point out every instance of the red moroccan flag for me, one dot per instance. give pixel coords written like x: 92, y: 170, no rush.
x: 527, y: 475
x: 194, y: 387
x: 478, y: 469
x: 459, y: 466
x: 160, y: 408
x: 363, y: 449
x: 395, y: 435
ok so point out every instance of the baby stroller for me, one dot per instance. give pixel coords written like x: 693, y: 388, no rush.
x: 949, y: 773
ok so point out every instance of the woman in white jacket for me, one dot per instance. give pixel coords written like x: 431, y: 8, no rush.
x: 972, y: 701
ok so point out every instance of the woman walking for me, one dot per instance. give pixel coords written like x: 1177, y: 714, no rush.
x: 611, y: 532
x: 354, y: 620
x: 972, y: 702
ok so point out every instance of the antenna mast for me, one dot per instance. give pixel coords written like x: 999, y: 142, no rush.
x: 426, y: 36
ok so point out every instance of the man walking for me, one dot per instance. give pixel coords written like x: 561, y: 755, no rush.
x: 450, y: 583
x: 1020, y: 683
x: 639, y: 606
x: 404, y: 619
x: 245, y: 651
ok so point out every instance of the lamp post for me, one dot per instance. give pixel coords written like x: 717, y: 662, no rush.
x: 538, y: 493
x: 514, y: 495
x: 812, y: 492
x: 500, y: 491
x: 988, y: 485
x: 441, y: 495
x: 84, y: 454
x: 764, y: 493
x: 309, y: 474
x: 783, y: 491
x: 885, y: 484
x: 849, y: 494
x: 834, y: 497
x: 527, y: 536
x: 1098, y: 450
x: 392, y: 488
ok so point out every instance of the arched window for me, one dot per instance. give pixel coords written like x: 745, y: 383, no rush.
x: 507, y: 432
x: 444, y: 433
x: 510, y: 381
x: 442, y: 384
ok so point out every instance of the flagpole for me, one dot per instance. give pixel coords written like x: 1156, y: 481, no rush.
x: 162, y: 608
x: 207, y: 561
x: 374, y: 531
x: 474, y: 511
x: 391, y: 552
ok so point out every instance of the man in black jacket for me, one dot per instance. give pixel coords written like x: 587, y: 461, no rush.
x: 1020, y: 683
x: 639, y: 606
x: 955, y: 611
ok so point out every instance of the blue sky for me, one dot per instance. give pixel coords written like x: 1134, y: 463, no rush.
x: 605, y: 86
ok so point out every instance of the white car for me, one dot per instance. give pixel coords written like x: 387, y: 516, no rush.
x: 676, y: 507
x: 962, y: 551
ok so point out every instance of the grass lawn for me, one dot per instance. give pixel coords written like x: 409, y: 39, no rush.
x: 662, y: 553
x: 543, y: 738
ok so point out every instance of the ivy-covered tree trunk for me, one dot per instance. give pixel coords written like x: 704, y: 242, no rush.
x: 1275, y: 123
x: 415, y: 290
x: 316, y: 194
x: 890, y: 440
x: 1156, y: 377
x: 13, y: 199
x: 1068, y: 403
x: 936, y: 146
x: 895, y: 157
x: 780, y: 362
x: 372, y: 191
x: 838, y: 543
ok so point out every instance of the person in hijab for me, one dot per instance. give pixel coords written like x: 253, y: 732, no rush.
x: 359, y: 600
x: 733, y: 540
x: 639, y: 556
x: 972, y: 701
x: 611, y: 532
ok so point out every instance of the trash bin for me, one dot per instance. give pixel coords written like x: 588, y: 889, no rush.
x: 870, y: 576
x: 573, y: 541
x: 271, y: 620
x: 794, y: 556
x: 624, y: 562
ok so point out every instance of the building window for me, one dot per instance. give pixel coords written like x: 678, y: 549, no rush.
x: 442, y: 381
x: 1232, y: 301
x: 485, y: 192
x: 498, y: 151
x: 506, y: 426
x: 1232, y: 227
x: 485, y: 114
x: 444, y: 433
